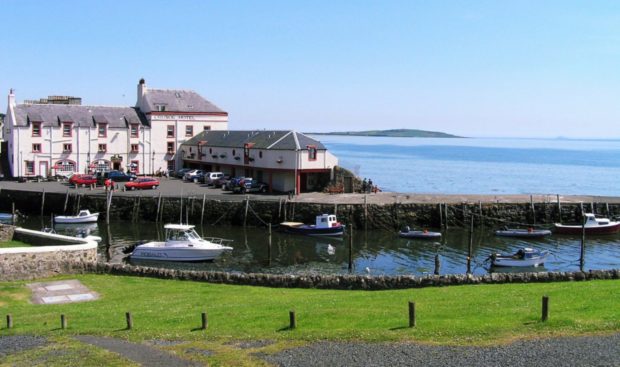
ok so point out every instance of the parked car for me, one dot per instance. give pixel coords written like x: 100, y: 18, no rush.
x: 190, y: 175
x: 116, y: 176
x: 83, y: 180
x: 181, y: 173
x: 247, y: 185
x: 212, y: 178
x: 142, y: 183
x: 231, y: 183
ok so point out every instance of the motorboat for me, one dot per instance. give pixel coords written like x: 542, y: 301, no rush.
x: 84, y: 216
x: 325, y: 225
x: 424, y: 234
x: 182, y: 244
x: 522, y: 233
x: 593, y: 225
x: 81, y: 234
x: 524, y: 257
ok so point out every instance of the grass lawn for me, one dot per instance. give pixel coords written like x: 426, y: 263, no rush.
x: 14, y: 244
x: 458, y: 315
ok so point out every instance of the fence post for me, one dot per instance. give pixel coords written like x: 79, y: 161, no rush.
x: 9, y: 321
x: 63, y: 321
x: 292, y: 321
x: 545, y: 308
x: 129, y: 320
x: 205, y: 321
x: 411, y: 314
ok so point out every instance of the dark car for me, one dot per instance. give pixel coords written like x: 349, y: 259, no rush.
x: 118, y: 176
x: 247, y: 185
x: 180, y: 173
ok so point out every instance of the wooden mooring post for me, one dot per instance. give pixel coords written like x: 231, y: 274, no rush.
x: 545, y: 308
x: 412, y: 320
x: 437, y: 265
x: 559, y: 210
x: 202, y: 211
x: 582, y: 251
x: 158, y: 207
x: 247, y: 206
x: 351, y: 246
x: 445, y: 212
x: 64, y: 210
x: 440, y: 216
x: 470, y: 248
x: 42, y: 201
x: 269, y: 247
x: 13, y: 213
x: 365, y: 212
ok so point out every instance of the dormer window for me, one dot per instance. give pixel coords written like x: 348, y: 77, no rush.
x: 311, y: 153
x: 102, y: 130
x: 36, y: 129
x: 134, y: 130
x: 160, y: 107
x: 66, y: 129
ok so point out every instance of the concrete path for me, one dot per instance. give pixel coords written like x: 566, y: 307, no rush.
x: 63, y: 291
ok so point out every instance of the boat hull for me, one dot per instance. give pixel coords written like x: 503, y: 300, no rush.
x: 74, y: 220
x: 420, y: 234
x: 157, y: 251
x: 577, y: 229
x: 509, y: 261
x: 523, y: 233
x: 310, y: 230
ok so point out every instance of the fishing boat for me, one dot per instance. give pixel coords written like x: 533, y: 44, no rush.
x: 523, y: 258
x: 84, y: 216
x: 424, y: 234
x: 593, y: 225
x: 182, y: 244
x: 325, y: 225
x: 522, y: 233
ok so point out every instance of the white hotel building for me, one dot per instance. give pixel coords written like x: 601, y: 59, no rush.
x: 46, y: 139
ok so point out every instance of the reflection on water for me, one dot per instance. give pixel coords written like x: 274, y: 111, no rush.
x: 376, y: 252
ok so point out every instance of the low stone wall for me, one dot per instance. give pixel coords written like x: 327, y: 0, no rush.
x: 346, y: 282
x: 6, y: 232
x: 22, y: 263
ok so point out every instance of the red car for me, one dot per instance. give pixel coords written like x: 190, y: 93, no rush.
x: 83, y: 180
x: 142, y: 183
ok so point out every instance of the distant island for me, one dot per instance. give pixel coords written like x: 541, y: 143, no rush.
x: 400, y: 133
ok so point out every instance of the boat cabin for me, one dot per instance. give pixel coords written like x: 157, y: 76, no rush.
x: 326, y: 221
x: 84, y: 213
x: 592, y: 220
x: 181, y: 232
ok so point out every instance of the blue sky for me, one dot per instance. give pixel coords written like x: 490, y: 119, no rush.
x: 473, y: 68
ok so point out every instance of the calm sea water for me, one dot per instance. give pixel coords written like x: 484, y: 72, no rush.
x: 482, y: 165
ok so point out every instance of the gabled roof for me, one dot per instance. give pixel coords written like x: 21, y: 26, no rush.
x: 179, y: 101
x: 52, y: 114
x: 261, y: 139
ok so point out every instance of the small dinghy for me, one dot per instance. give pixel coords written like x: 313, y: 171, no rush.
x: 84, y: 216
x: 409, y: 233
x: 182, y: 244
x: 525, y: 257
x: 523, y: 233
x: 326, y: 225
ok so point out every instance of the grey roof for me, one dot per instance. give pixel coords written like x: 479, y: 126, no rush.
x: 179, y: 101
x: 52, y: 114
x: 262, y: 139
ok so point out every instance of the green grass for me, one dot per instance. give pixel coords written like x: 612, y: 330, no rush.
x: 7, y: 244
x: 459, y: 315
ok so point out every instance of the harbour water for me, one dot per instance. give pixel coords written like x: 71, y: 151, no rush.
x: 375, y: 252
x: 482, y: 165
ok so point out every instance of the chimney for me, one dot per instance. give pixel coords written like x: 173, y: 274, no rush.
x: 11, y: 101
x: 141, y: 93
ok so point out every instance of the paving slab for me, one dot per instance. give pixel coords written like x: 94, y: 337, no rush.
x: 62, y: 291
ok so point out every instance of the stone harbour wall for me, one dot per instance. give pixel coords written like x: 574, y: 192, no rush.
x: 32, y: 265
x: 6, y: 232
x: 343, y: 282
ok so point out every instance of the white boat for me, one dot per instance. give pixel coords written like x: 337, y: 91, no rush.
x: 522, y: 233
x: 593, y: 225
x: 525, y: 257
x: 182, y: 244
x: 84, y: 216
x: 408, y: 233
x: 325, y: 225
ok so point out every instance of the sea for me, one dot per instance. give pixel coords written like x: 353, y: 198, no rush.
x: 482, y: 165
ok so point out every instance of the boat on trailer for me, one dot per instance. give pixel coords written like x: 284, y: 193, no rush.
x: 407, y: 232
x: 182, y: 244
x: 524, y: 257
x: 592, y: 225
x: 522, y: 233
x: 325, y: 225
x: 84, y: 216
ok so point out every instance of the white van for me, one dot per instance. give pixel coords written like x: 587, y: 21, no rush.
x: 212, y: 178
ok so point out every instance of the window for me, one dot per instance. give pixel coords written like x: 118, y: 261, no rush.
x: 134, y: 148
x: 134, y: 130
x: 36, y: 148
x: 170, y: 147
x: 170, y: 131
x: 29, y: 167
x: 36, y: 129
x: 102, y: 130
x: 161, y: 107
x: 66, y: 129
x: 206, y: 127
x: 66, y: 148
x: 311, y: 153
x: 189, y: 130
x: 103, y: 148
x: 170, y: 165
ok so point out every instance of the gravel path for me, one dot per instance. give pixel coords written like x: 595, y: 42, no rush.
x: 143, y: 354
x: 17, y: 343
x: 579, y: 351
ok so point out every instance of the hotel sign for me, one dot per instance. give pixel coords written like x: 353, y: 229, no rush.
x: 172, y: 117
